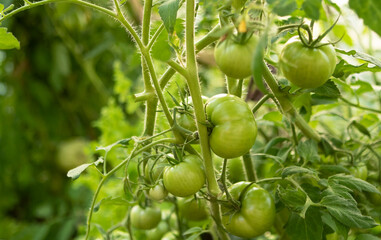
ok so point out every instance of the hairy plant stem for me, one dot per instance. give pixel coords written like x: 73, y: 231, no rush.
x: 287, y: 107
x: 195, y: 91
x: 134, y: 153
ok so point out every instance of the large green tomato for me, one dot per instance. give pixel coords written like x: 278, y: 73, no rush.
x: 256, y: 214
x: 234, y: 130
x: 193, y: 209
x: 186, y: 178
x: 235, y: 59
x: 145, y: 218
x: 307, y: 67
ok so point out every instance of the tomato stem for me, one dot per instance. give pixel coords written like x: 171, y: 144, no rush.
x: 249, y: 167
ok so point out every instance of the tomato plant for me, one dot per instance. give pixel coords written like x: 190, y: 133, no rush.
x: 307, y: 67
x: 167, y: 162
x: 145, y: 218
x: 234, y: 127
x: 235, y: 58
x: 256, y: 213
x: 185, y: 178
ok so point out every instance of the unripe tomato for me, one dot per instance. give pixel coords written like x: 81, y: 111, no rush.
x: 158, y: 192
x: 71, y: 154
x: 235, y: 59
x: 185, y: 178
x: 158, y: 232
x: 307, y: 67
x: 235, y: 129
x: 145, y: 218
x: 187, y: 120
x: 193, y: 209
x: 256, y: 214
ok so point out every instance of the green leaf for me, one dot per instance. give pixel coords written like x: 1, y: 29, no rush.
x: 309, y: 228
x: 369, y: 11
x: 7, y: 40
x: 312, y: 8
x: 168, y: 13
x: 283, y: 7
x: 76, y: 172
x: 1, y: 7
x: 308, y: 150
x: 274, y: 142
x: 292, y: 198
x: 367, y: 237
x: 344, y: 69
x: 354, y: 183
x: 274, y: 116
x: 332, y: 169
x: 360, y: 127
x: 329, y: 89
x: 193, y: 230
x: 362, y: 56
x: 346, y: 212
x: 335, y: 225
x: 258, y: 63
x: 112, y: 201
x: 161, y: 49
x: 336, y: 188
x: 295, y: 170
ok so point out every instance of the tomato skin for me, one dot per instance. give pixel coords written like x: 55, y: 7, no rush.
x: 235, y: 129
x: 193, y: 209
x: 235, y: 59
x: 158, y: 192
x: 257, y: 212
x: 185, y: 178
x: 307, y: 67
x: 158, y: 232
x: 185, y: 120
x: 145, y: 218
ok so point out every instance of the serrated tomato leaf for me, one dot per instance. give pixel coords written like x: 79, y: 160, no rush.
x: 309, y: 228
x: 308, y: 150
x: 312, y: 8
x: 283, y: 7
x: 346, y: 212
x: 292, y: 198
x: 344, y: 69
x: 360, y: 55
x: 354, y: 183
x: 295, y: 170
x: 76, y: 172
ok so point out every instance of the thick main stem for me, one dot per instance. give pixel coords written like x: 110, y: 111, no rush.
x: 195, y: 91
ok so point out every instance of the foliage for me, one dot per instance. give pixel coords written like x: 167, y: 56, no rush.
x: 317, y: 156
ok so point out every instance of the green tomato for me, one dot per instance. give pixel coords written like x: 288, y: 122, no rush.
x: 154, y: 173
x: 375, y: 198
x: 234, y: 59
x: 235, y: 129
x: 193, y: 209
x: 158, y: 232
x: 359, y: 171
x: 72, y: 153
x: 186, y: 178
x: 158, y: 192
x: 307, y: 67
x: 170, y: 236
x: 256, y: 214
x: 186, y: 120
x: 145, y: 218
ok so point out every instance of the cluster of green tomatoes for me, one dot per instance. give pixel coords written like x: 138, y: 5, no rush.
x: 233, y: 132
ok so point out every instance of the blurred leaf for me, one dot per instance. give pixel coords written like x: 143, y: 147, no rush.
x: 76, y: 172
x: 295, y: 170
x: 112, y: 201
x: 309, y: 228
x: 258, y: 63
x: 7, y: 40
x: 275, y: 116
x: 346, y: 212
x: 360, y: 55
x: 274, y: 142
x: 329, y: 89
x: 366, y: 237
x: 1, y: 7
x: 282, y: 7
x: 312, y: 8
x: 332, y: 169
x: 369, y: 11
x: 168, y: 13
x: 360, y: 127
x: 308, y: 150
